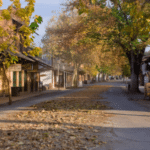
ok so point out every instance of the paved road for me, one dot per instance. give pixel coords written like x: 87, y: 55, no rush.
x: 22, y: 104
x: 129, y: 129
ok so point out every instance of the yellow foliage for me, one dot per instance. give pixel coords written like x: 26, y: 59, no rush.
x: 6, y: 14
x: 1, y: 3
x: 17, y: 3
x: 35, y: 51
x: 25, y: 30
x: 7, y: 34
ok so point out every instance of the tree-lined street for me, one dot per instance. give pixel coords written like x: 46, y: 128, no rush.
x: 115, y: 120
x: 76, y: 97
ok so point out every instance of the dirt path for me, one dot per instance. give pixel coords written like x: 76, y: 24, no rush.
x: 129, y: 128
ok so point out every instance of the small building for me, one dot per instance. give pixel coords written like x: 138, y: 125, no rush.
x: 47, y: 75
x: 63, y: 73
x: 26, y: 73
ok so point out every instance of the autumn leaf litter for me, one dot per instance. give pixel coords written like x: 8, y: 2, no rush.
x: 66, y: 123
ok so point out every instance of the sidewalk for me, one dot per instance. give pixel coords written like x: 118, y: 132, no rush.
x: 5, y: 100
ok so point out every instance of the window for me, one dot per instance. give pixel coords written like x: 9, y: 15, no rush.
x: 14, y: 79
x: 20, y: 78
x: 25, y: 80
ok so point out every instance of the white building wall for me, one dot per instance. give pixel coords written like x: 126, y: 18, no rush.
x: 47, y: 78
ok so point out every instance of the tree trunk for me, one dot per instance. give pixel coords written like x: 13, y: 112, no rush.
x: 135, y: 69
x: 148, y: 74
x: 141, y: 79
x: 106, y: 77
x: 123, y: 78
x: 75, y: 78
x: 103, y: 77
x: 8, y: 82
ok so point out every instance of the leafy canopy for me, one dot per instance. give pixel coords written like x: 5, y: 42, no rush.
x: 25, y: 31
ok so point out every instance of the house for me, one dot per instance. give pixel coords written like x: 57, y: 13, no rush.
x: 61, y: 74
x: 47, y: 75
x: 26, y: 73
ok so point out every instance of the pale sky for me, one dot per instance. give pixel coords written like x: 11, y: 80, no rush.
x: 43, y: 8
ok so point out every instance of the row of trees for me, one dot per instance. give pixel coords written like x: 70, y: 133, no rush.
x: 121, y: 27
x: 78, y: 35
x: 125, y: 25
x: 111, y: 35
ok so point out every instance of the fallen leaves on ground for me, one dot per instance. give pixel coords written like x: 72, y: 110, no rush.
x: 66, y: 123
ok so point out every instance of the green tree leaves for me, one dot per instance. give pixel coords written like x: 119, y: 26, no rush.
x: 34, y: 25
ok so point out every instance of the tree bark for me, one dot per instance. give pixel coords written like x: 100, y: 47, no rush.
x: 8, y: 82
x: 123, y: 78
x: 135, y: 70
x: 103, y: 76
x: 148, y: 76
x: 75, y: 78
x: 107, y: 77
x: 141, y: 79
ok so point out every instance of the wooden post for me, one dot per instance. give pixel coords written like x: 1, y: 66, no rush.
x: 53, y: 79
x: 64, y: 80
x: 38, y: 80
x: 22, y: 80
x: 28, y: 82
x: 11, y: 78
x: 34, y: 79
x: 1, y: 80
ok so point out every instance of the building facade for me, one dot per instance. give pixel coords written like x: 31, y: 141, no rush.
x: 25, y: 75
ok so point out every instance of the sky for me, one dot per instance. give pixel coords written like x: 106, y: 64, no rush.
x: 44, y: 8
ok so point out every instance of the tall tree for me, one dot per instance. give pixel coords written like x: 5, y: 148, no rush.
x: 9, y: 38
x: 65, y: 38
